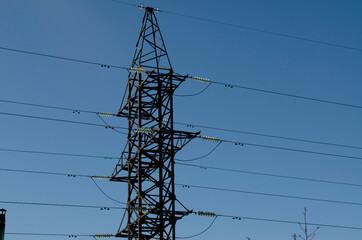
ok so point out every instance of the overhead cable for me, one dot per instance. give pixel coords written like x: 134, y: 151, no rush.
x: 62, y: 58
x: 191, y: 125
x: 199, y: 187
x: 248, y: 28
x: 57, y: 153
x: 270, y: 194
x: 68, y: 175
x: 278, y: 148
x: 61, y: 205
x: 105, y: 194
x: 278, y: 34
x: 239, y: 217
x: 229, y: 85
x: 49, y: 234
x: 61, y: 120
x: 203, y: 156
x: 194, y: 94
x: 75, y: 110
x: 269, y: 174
x: 198, y: 234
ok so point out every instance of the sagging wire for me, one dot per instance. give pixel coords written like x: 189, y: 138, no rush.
x: 107, y: 125
x: 200, y: 79
x: 100, y: 189
x: 198, y: 234
x: 197, y: 158
x: 194, y: 94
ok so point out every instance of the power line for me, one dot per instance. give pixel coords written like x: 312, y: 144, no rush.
x: 204, y: 167
x: 75, y: 110
x: 290, y: 149
x: 62, y: 120
x: 197, y: 158
x: 270, y: 194
x: 235, y: 217
x: 125, y: 3
x: 287, y: 94
x: 288, y: 222
x: 194, y: 94
x: 50, y: 234
x: 44, y: 172
x: 199, y: 187
x: 105, y: 194
x: 269, y: 175
x: 109, y: 126
x: 245, y: 143
x: 267, y: 135
x: 210, y: 82
x: 67, y: 175
x: 250, y: 144
x: 278, y: 34
x: 62, y: 58
x: 244, y: 27
x: 228, y: 141
x: 198, y: 234
x: 57, y: 153
x: 61, y: 205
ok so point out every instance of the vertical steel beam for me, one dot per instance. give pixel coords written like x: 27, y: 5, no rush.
x: 2, y: 223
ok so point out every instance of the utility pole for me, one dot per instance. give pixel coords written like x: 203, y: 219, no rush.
x: 2, y: 223
x: 147, y: 162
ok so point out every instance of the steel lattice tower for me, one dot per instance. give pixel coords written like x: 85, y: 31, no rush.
x: 147, y: 162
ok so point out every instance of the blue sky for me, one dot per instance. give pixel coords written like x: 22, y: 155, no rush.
x: 106, y: 32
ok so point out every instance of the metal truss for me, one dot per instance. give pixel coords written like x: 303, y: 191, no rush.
x: 147, y: 162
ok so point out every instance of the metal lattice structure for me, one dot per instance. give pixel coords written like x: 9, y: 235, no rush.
x: 2, y: 223
x: 147, y: 162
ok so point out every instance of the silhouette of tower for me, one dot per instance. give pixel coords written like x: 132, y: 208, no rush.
x: 2, y: 223
x: 147, y: 162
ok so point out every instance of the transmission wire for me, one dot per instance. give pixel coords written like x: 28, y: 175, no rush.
x: 62, y: 58
x: 63, y: 174
x: 198, y: 234
x: 58, y: 120
x: 210, y: 82
x: 266, y: 135
x: 195, y: 94
x: 270, y: 194
x: 58, y: 205
x: 100, y: 189
x: 264, y: 31
x: 244, y: 27
x: 197, y: 158
x: 56, y: 153
x: 287, y: 94
x: 269, y: 174
x: 199, y: 187
x: 290, y: 149
x: 50, y: 234
x: 179, y: 123
x: 108, y: 126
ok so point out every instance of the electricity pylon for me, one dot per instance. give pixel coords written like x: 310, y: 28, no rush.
x: 2, y: 223
x: 147, y: 162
